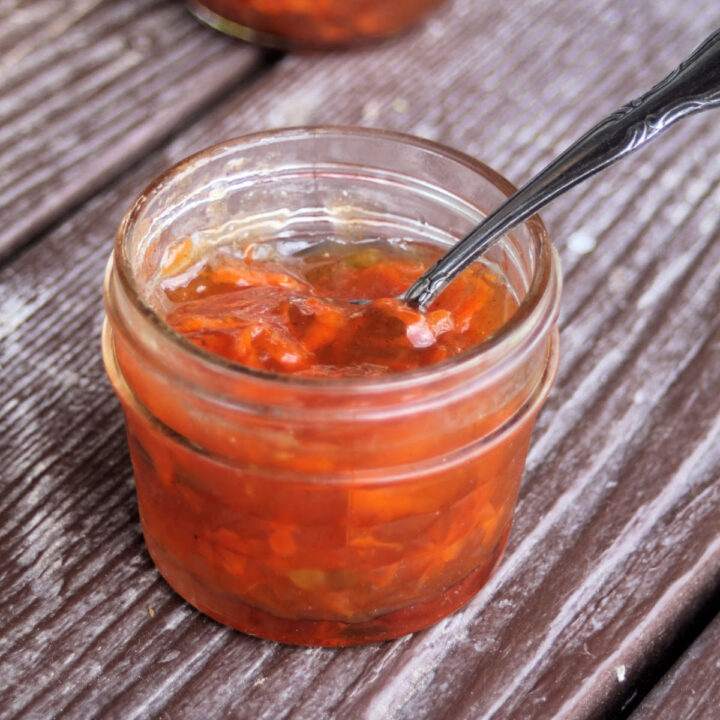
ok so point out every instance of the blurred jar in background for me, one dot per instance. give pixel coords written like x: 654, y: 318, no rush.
x: 311, y: 23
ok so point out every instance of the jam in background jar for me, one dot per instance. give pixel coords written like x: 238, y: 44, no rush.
x: 326, y: 510
x: 311, y: 23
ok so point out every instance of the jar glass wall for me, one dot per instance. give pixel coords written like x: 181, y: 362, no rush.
x: 327, y: 511
x: 311, y: 23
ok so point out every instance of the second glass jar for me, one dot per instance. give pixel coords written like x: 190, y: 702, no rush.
x: 311, y: 23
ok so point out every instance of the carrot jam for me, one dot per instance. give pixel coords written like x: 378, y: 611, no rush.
x: 273, y: 309
x: 316, y: 23
x: 302, y: 513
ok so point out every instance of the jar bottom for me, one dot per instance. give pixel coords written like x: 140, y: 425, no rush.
x: 285, y: 42
x: 233, y: 612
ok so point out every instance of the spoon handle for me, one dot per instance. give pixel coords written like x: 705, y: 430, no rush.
x: 692, y: 87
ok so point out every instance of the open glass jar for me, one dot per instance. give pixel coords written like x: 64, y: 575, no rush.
x: 327, y: 511
x: 311, y: 24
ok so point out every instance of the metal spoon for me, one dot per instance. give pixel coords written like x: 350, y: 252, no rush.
x: 693, y: 87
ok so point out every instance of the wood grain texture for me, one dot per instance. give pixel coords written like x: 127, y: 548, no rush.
x: 87, y: 87
x: 691, y: 690
x: 617, y: 537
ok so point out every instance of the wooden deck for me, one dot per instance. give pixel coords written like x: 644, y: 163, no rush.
x: 606, y: 604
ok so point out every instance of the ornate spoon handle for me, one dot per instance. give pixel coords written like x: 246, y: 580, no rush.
x: 693, y: 87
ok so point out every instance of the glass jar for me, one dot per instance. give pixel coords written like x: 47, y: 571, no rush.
x: 311, y: 23
x: 331, y: 511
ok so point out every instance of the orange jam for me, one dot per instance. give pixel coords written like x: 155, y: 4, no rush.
x: 273, y: 308
x: 312, y: 23
x: 325, y: 529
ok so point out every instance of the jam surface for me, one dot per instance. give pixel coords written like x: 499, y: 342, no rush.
x: 285, y: 307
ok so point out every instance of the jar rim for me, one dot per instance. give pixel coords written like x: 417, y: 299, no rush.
x: 499, y: 343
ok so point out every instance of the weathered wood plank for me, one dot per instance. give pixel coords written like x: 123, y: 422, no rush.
x: 616, y: 539
x: 691, y: 690
x: 88, y: 87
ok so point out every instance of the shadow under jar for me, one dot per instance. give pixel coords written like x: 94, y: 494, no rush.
x: 311, y: 24
x: 327, y: 511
